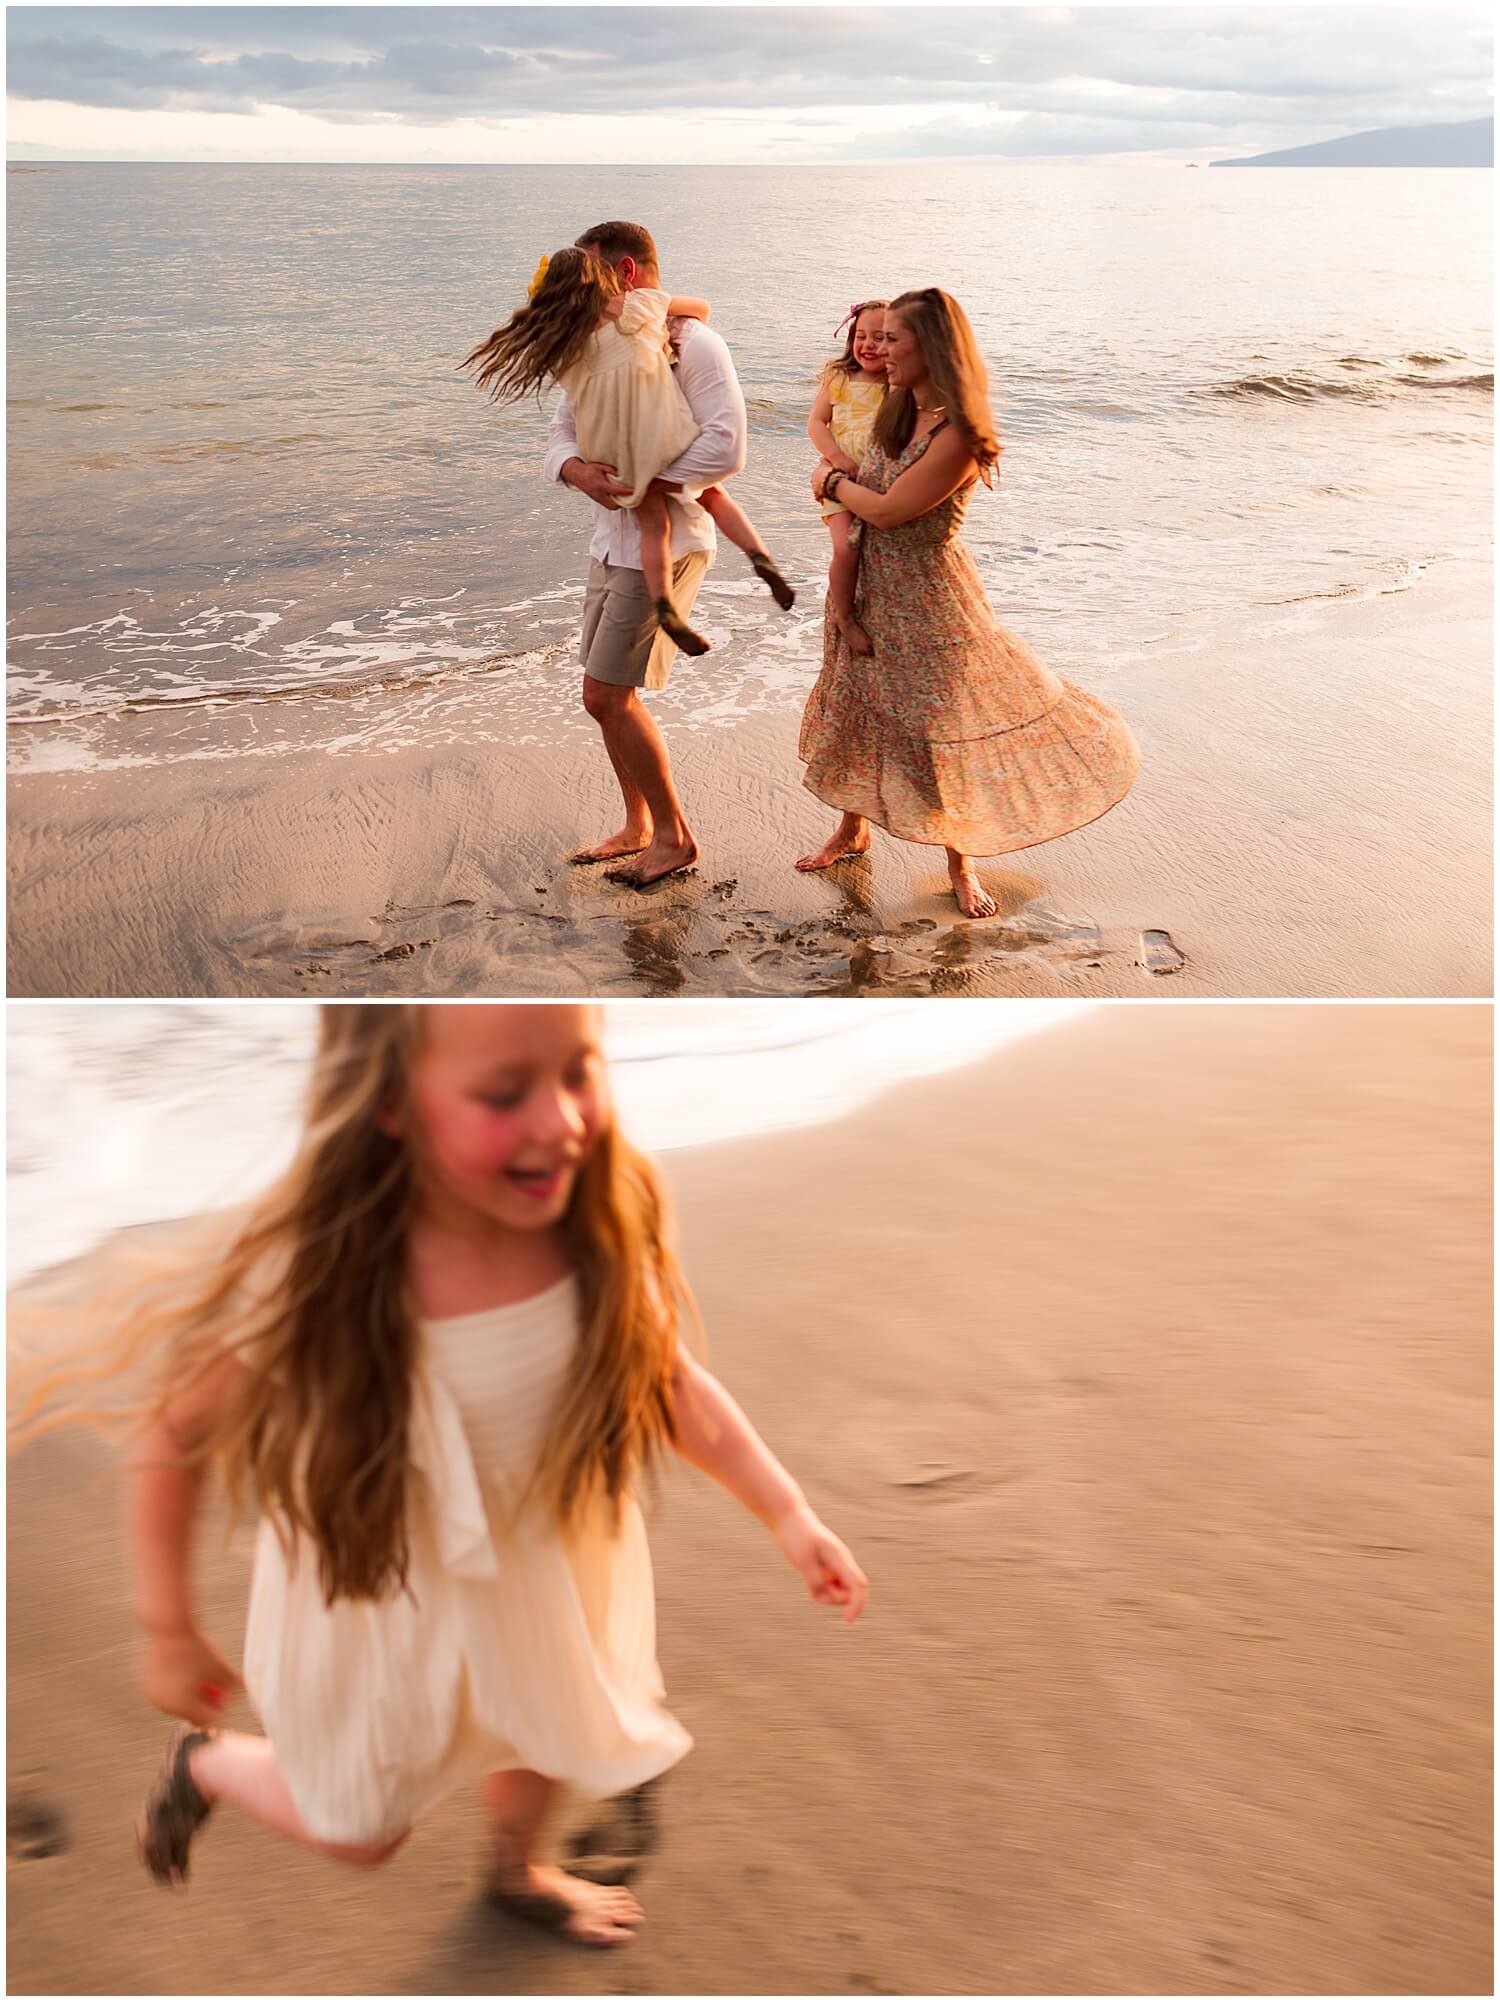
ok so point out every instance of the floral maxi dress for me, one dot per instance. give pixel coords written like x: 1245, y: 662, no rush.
x: 951, y: 733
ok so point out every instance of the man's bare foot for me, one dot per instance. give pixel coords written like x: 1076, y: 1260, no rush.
x: 850, y: 838
x: 542, y: 1895
x: 857, y: 639
x: 659, y: 859
x: 974, y: 900
x: 626, y: 842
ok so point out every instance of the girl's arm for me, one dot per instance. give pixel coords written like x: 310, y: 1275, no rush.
x: 820, y: 432
x: 688, y: 309
x: 716, y: 1436
x: 943, y: 468
x: 182, y: 1673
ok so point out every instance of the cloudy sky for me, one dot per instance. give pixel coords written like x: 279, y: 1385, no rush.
x: 1133, y: 85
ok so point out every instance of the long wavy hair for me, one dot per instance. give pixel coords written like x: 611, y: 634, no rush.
x: 303, y: 1299
x: 845, y: 364
x: 951, y: 355
x: 543, y: 338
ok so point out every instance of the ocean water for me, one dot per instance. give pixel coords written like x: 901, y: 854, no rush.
x: 140, y: 1112
x: 244, y: 470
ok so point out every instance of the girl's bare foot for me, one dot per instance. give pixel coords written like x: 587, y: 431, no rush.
x: 596, y: 1914
x: 658, y: 859
x: 855, y: 637
x: 974, y: 900
x: 629, y: 841
x: 851, y: 837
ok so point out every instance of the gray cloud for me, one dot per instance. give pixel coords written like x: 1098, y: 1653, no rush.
x: 1084, y: 80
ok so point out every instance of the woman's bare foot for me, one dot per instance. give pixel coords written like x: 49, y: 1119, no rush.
x: 542, y: 1895
x: 855, y: 636
x: 658, y: 859
x: 974, y: 900
x: 629, y: 841
x: 851, y: 837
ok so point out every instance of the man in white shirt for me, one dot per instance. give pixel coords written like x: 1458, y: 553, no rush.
x: 623, y: 650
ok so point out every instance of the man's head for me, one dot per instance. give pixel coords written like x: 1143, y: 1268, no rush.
x: 628, y: 247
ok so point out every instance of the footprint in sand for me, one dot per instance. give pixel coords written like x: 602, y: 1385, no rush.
x: 1158, y: 955
x: 34, y: 1829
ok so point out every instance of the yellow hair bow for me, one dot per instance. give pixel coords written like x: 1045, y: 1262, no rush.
x: 536, y: 283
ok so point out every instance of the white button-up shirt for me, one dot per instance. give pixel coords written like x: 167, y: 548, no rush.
x: 706, y: 376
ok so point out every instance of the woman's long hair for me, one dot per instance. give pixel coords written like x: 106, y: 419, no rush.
x: 549, y: 333
x: 846, y: 364
x: 308, y: 1297
x: 941, y: 329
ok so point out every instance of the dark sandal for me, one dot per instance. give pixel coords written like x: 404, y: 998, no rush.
x: 174, y: 1811
x: 676, y: 628
x: 773, y: 580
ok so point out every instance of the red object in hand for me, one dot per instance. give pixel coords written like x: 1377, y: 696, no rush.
x: 212, y: 1693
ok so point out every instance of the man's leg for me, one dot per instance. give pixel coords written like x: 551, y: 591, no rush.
x: 623, y: 651
x: 639, y: 755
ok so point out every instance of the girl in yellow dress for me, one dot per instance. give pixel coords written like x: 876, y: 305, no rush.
x: 850, y: 393
x: 607, y: 348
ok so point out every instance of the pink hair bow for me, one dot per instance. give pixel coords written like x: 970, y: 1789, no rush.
x: 852, y: 314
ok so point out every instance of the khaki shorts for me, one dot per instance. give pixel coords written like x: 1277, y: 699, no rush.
x: 622, y: 643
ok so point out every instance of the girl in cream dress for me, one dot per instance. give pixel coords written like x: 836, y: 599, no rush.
x: 608, y: 350
x: 439, y: 1354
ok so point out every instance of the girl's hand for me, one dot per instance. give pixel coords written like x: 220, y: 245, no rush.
x: 820, y: 473
x: 844, y: 464
x: 186, y: 1676
x: 833, y: 1577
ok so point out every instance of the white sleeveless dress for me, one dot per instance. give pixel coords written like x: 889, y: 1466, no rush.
x: 515, y: 1646
x: 630, y: 409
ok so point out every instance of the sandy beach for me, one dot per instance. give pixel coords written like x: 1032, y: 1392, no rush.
x: 1312, y: 819
x: 1146, y: 1366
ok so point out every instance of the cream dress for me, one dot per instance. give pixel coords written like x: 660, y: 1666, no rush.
x: 631, y: 412
x: 515, y: 1646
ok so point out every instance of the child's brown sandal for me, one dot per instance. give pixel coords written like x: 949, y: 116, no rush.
x: 677, y: 629
x: 174, y: 1812
x: 773, y: 580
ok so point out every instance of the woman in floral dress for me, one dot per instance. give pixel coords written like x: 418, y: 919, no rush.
x: 948, y: 731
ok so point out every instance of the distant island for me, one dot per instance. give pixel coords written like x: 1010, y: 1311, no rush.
x: 1471, y: 144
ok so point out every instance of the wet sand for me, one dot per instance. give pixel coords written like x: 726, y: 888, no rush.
x: 1312, y: 819
x: 1147, y: 1368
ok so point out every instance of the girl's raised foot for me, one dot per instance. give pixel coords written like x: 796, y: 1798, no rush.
x: 174, y: 1812
x: 850, y: 838
x: 773, y: 580
x: 974, y: 900
x: 595, y: 1914
x: 677, y: 629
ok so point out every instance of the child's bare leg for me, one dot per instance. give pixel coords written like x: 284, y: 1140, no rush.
x: 518, y: 1804
x: 204, y: 1770
x: 656, y: 544
x: 850, y: 837
x: 737, y: 526
x: 843, y: 573
x: 656, y: 566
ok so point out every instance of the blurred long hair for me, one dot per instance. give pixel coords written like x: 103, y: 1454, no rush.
x: 303, y: 1300
x: 543, y: 338
x: 951, y: 355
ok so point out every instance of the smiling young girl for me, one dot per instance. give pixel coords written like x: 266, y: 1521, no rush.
x: 850, y: 392
x: 440, y: 1353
